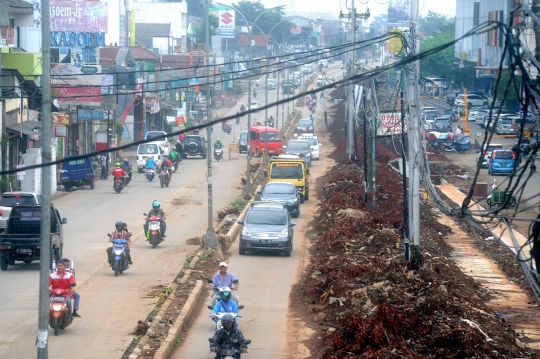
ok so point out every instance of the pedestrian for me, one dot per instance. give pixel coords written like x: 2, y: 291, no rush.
x: 459, y: 131
x: 103, y: 160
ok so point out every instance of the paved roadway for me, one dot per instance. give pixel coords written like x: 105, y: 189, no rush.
x: 111, y: 306
x: 265, y: 285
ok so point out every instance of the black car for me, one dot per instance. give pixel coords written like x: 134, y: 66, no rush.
x: 284, y: 193
x: 194, y: 145
x: 267, y: 227
x: 442, y: 124
x: 242, y: 142
x: 450, y: 98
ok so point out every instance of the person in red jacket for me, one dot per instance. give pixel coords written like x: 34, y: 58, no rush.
x: 166, y: 163
x: 120, y: 233
x: 119, y: 172
x: 63, y: 280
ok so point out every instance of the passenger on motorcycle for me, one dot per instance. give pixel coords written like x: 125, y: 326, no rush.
x: 126, y: 167
x: 119, y: 233
x: 218, y: 144
x: 150, y: 163
x: 225, y: 304
x: 76, y: 296
x: 166, y: 163
x: 63, y: 280
x: 230, y: 337
x: 119, y: 172
x: 224, y: 279
x: 156, y: 211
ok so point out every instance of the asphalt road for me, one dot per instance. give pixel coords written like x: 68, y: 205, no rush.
x: 265, y: 285
x: 110, y: 306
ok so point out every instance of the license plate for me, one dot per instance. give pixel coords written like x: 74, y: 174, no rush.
x: 24, y: 251
x: 504, y: 164
x: 267, y: 241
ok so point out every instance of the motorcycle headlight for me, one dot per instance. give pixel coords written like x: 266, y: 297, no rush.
x: 245, y: 232
x: 57, y: 307
x: 284, y: 233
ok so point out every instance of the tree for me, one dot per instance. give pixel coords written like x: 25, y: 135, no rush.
x: 251, y: 10
x: 513, y: 90
x: 434, y: 23
x: 199, y: 31
x: 195, y: 8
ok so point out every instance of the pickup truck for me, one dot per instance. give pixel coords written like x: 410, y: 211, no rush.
x: 10, y: 199
x: 77, y: 173
x: 22, y: 240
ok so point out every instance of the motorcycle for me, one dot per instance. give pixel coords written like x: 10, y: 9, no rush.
x: 237, y: 120
x: 118, y: 184
x: 254, y: 93
x: 215, y: 294
x: 217, y: 317
x: 448, y: 148
x: 58, y: 310
x: 120, y: 260
x: 218, y: 154
x: 150, y: 173
x: 227, y: 353
x: 164, y: 177
x: 500, y: 198
x: 154, y: 231
x: 227, y: 130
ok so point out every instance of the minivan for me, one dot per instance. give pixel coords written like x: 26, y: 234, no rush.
x: 147, y: 150
x: 159, y: 138
x: 501, y: 161
x: 508, y: 125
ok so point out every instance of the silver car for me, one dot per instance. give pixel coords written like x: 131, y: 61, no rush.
x: 508, y: 125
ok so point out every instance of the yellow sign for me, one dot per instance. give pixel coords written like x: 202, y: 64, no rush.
x: 396, y: 44
x: 132, y: 28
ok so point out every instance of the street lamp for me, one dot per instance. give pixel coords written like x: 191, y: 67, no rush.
x: 248, y: 177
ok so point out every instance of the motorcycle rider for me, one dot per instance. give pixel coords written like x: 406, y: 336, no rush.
x: 156, y: 211
x: 237, y: 117
x: 76, y: 296
x: 311, y: 117
x: 126, y: 167
x: 226, y: 279
x: 174, y: 156
x: 228, y: 337
x: 150, y: 163
x: 242, y: 108
x: 119, y: 233
x: 63, y: 280
x: 166, y: 163
x: 271, y: 120
x: 225, y: 304
x: 218, y: 144
x: 119, y: 172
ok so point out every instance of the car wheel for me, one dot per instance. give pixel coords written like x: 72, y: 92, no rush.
x: 287, y: 252
x: 241, y: 251
x: 140, y: 170
x: 203, y: 155
x: 92, y: 185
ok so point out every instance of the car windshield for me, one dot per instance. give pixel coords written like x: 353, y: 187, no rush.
x: 243, y: 136
x: 151, y: 135
x: 279, y: 188
x: 493, y: 148
x: 431, y: 116
x: 287, y: 171
x: 442, y: 122
x: 448, y: 112
x: 303, y: 123
x: 298, y: 145
x: 502, y: 155
x: 148, y: 149
x: 311, y: 141
x: 505, y: 121
x: 275, y: 218
x: 9, y: 200
x: 270, y: 137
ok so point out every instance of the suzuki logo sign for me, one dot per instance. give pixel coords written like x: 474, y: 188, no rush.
x: 227, y: 18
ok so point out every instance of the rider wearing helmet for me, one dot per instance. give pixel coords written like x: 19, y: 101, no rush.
x: 119, y: 233
x: 126, y: 167
x: 119, y: 172
x: 225, y: 304
x: 229, y: 337
x: 156, y: 211
x: 218, y: 143
x: 166, y: 163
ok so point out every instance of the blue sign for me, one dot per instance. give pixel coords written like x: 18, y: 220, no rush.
x: 91, y: 115
x: 193, y: 81
x: 529, y: 115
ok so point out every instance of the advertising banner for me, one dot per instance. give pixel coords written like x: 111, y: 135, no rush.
x: 389, y: 123
x: 226, y: 24
x: 71, y: 86
x: 7, y: 38
x: 398, y: 13
x: 78, y: 16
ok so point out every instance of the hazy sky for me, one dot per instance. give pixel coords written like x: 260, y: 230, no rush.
x: 376, y: 7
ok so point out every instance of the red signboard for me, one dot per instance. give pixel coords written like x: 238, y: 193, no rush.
x: 7, y: 38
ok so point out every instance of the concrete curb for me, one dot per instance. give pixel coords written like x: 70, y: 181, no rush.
x: 168, y: 344
x: 235, y: 228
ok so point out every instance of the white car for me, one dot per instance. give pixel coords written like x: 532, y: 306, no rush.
x: 472, y: 100
x: 162, y: 141
x: 313, y: 144
x: 253, y: 105
x: 146, y: 150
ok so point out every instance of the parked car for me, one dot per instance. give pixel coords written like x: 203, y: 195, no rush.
x: 442, y: 124
x: 194, y: 145
x: 450, y: 98
x: 501, y: 161
x: 314, y: 143
x: 243, y: 142
x: 488, y: 149
x: 429, y: 117
x: 158, y: 136
x: 305, y: 125
x: 508, y: 125
x: 284, y: 193
x: 267, y: 227
x: 147, y: 150
x: 472, y: 100
x: 11, y: 199
x: 77, y: 173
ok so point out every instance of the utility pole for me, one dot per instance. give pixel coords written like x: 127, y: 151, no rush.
x: 372, y: 95
x: 415, y: 157
x: 324, y: 109
x: 42, y: 341
x: 536, y: 10
x: 404, y: 170
x: 247, y: 187
x: 210, y: 238
x: 277, y: 99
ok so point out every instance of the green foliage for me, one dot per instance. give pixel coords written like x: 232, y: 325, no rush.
x: 119, y: 130
x: 194, y: 8
x: 513, y: 90
x: 199, y: 32
x: 434, y: 23
x: 252, y: 9
x: 239, y: 204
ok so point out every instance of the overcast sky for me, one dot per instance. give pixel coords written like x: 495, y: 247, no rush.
x: 376, y: 7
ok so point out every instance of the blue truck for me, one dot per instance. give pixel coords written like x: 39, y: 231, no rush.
x: 77, y: 173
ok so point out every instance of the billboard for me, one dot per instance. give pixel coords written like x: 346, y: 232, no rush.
x: 72, y: 86
x: 398, y: 13
x: 389, y: 123
x: 226, y: 24
x: 78, y: 16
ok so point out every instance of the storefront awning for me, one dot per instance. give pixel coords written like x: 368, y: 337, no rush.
x: 29, y: 128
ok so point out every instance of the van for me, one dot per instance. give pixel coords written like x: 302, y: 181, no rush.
x: 147, y: 150
x: 508, y: 125
x: 293, y: 169
x: 263, y: 137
